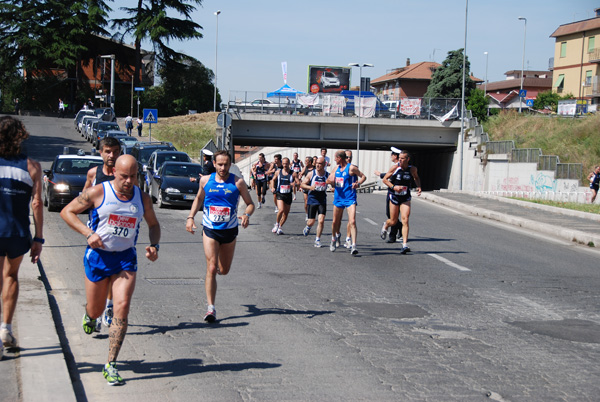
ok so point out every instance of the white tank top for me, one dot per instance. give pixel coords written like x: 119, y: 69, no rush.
x: 117, y: 222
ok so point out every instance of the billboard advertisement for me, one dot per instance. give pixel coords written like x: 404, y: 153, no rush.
x: 328, y: 79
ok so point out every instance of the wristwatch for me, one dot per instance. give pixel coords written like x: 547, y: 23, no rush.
x: 156, y: 246
x: 39, y: 240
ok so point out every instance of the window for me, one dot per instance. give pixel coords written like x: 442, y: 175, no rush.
x: 563, y: 49
x: 588, y: 78
x: 591, y: 44
x: 560, y: 82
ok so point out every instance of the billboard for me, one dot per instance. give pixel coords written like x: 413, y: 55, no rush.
x: 328, y: 79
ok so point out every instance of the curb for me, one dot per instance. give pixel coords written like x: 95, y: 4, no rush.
x: 576, y: 236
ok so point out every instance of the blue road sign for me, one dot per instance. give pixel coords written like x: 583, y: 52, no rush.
x: 139, y: 89
x: 150, y: 115
x: 522, y: 93
x: 529, y: 102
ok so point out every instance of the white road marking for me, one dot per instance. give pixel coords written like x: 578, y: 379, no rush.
x: 449, y: 263
x: 370, y: 221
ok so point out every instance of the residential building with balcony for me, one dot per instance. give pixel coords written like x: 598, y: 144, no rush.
x: 505, y: 94
x: 576, y: 68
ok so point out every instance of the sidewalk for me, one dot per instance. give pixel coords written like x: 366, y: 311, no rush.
x: 39, y: 371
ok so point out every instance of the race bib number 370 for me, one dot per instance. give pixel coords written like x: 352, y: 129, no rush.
x: 121, y: 226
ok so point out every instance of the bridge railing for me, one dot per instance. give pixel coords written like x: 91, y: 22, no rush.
x: 403, y: 108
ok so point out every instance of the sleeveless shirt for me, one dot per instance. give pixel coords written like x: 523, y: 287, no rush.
x: 16, y: 187
x: 220, y: 203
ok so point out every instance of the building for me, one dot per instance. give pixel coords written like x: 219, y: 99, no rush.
x: 577, y: 58
x: 505, y: 94
x: 410, y: 81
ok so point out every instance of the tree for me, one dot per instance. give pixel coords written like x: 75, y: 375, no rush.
x: 549, y: 100
x: 446, y: 81
x: 149, y: 20
x: 477, y: 103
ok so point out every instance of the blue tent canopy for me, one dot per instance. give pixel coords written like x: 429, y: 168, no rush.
x: 285, y: 90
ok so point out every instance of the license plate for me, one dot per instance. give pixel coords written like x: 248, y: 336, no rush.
x: 189, y: 196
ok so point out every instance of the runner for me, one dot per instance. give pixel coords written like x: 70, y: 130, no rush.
x: 398, y: 179
x: 259, y: 171
x: 348, y: 242
x: 297, y: 167
x: 116, y: 211
x: 220, y: 192
x: 110, y: 150
x: 344, y: 178
x: 20, y: 186
x: 316, y: 185
x: 275, y: 166
x: 283, y: 182
x: 594, y: 179
x: 396, y: 230
x: 308, y: 167
x: 324, y: 155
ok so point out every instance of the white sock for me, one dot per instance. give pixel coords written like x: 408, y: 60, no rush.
x: 211, y: 307
x: 348, y: 238
x: 109, y: 303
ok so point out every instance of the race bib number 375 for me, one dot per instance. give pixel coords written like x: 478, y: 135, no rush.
x: 121, y: 226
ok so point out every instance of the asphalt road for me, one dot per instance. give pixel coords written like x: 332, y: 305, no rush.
x: 476, y: 312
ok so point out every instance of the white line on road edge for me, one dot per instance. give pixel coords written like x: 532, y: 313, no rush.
x: 449, y: 263
x: 371, y: 222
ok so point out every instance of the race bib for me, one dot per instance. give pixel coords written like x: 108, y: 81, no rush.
x: 339, y: 182
x: 285, y: 188
x: 402, y: 191
x: 121, y: 226
x: 260, y: 176
x: 320, y: 186
x: 297, y: 169
x: 219, y: 214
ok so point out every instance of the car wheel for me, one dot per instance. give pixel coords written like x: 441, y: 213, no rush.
x: 159, y: 202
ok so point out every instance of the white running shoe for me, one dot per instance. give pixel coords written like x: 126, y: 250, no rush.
x: 348, y: 242
x: 107, y: 316
x: 276, y: 210
x: 332, y: 246
x: 259, y: 205
x: 354, y: 251
x: 337, y: 241
x: 8, y: 339
x: 318, y: 243
x: 384, y: 232
x: 279, y: 232
x: 274, y: 230
x: 306, y: 231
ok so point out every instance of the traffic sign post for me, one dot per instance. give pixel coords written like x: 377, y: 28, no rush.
x: 522, y: 93
x: 150, y: 117
x: 138, y: 90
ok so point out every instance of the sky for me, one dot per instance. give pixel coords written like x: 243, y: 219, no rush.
x: 255, y: 37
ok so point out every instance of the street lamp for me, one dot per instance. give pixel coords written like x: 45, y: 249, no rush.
x: 360, y: 66
x: 523, y: 62
x: 486, y: 81
x: 216, y: 49
x: 461, y: 142
x: 112, y: 77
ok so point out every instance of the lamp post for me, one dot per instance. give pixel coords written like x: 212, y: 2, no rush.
x: 523, y: 62
x: 486, y: 81
x: 112, y: 78
x: 216, y: 50
x: 360, y: 66
x: 461, y: 142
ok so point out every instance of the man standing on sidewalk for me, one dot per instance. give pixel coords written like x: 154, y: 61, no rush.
x: 220, y: 193
x: 116, y: 211
x: 20, y: 185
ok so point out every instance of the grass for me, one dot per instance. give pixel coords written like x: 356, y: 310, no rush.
x: 188, y: 133
x: 591, y: 208
x: 572, y: 140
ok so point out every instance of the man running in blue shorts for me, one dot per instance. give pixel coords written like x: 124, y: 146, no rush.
x: 116, y: 211
x: 345, y: 178
x: 315, y: 183
x: 220, y: 193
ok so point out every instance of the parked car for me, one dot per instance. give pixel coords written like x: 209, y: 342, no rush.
x: 102, y: 129
x: 127, y: 143
x: 92, y: 128
x: 106, y: 114
x: 157, y: 159
x: 171, y: 185
x: 80, y: 115
x: 83, y: 124
x: 142, y: 151
x: 65, y: 179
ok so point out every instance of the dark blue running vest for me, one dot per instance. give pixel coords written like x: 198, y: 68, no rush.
x: 16, y: 187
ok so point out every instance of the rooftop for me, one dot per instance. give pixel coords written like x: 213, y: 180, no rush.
x: 575, y: 27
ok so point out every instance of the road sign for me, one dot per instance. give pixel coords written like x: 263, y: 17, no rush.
x: 529, y: 102
x: 139, y: 89
x: 224, y: 120
x: 150, y: 116
x: 522, y: 93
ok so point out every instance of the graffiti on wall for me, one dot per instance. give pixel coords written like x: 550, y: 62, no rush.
x: 543, y: 182
x: 512, y: 184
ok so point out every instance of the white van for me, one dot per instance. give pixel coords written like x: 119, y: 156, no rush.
x: 393, y: 106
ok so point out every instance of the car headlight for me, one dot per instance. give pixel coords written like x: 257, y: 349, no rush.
x: 61, y: 188
x: 172, y: 190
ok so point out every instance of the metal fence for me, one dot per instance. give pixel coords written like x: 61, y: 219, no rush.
x: 500, y: 147
x: 526, y: 155
x: 569, y: 171
x: 548, y: 162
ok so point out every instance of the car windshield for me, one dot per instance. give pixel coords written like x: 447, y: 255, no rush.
x: 76, y: 166
x: 146, y: 152
x: 128, y: 140
x: 108, y: 126
x: 182, y: 170
x: 160, y: 158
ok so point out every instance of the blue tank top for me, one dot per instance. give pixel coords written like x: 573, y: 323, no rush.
x: 284, y: 183
x: 220, y: 203
x: 318, y: 196
x: 343, y: 184
x: 16, y: 187
x: 595, y: 181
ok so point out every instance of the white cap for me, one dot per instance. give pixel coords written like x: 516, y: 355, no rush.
x: 207, y: 152
x: 396, y: 150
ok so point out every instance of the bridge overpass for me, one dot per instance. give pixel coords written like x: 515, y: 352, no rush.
x: 431, y: 143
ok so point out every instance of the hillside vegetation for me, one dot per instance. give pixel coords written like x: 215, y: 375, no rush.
x: 572, y: 140
x: 189, y: 133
